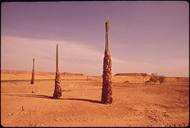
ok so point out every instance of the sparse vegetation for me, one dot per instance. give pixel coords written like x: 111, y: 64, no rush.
x: 155, y: 79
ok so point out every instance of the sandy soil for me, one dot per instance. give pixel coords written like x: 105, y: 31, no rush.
x: 23, y: 104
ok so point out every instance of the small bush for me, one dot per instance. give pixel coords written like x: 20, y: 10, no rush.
x: 156, y: 78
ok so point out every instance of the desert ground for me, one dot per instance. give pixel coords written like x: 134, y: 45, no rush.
x: 134, y: 102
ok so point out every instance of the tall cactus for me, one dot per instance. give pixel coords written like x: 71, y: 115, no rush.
x: 33, y: 73
x: 107, y: 70
x: 57, y: 91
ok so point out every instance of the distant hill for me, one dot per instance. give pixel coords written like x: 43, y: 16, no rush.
x: 38, y: 72
x: 74, y: 74
x: 146, y: 78
x: 14, y: 71
x: 131, y: 74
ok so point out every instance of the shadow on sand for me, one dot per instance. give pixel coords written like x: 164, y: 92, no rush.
x: 80, y: 99
x: 51, y: 97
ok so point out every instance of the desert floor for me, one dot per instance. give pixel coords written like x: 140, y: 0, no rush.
x: 23, y: 104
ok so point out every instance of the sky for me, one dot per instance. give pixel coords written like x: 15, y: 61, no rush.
x: 145, y: 36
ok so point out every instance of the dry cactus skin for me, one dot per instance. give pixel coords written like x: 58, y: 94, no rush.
x: 107, y: 71
x: 33, y: 74
x: 58, y: 91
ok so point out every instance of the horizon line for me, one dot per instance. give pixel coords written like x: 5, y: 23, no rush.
x: 9, y: 70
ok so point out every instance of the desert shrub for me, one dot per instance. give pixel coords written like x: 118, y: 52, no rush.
x: 161, y: 79
x: 156, y: 78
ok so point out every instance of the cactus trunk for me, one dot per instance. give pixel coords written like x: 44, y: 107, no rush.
x: 57, y: 91
x: 33, y: 74
x: 107, y: 71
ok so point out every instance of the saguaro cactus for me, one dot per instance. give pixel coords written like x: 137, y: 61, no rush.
x: 58, y: 91
x: 33, y: 73
x: 107, y: 70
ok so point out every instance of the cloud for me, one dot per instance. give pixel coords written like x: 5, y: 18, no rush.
x: 17, y: 54
x: 74, y: 56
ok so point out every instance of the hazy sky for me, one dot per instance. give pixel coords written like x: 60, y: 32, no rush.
x: 148, y: 36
